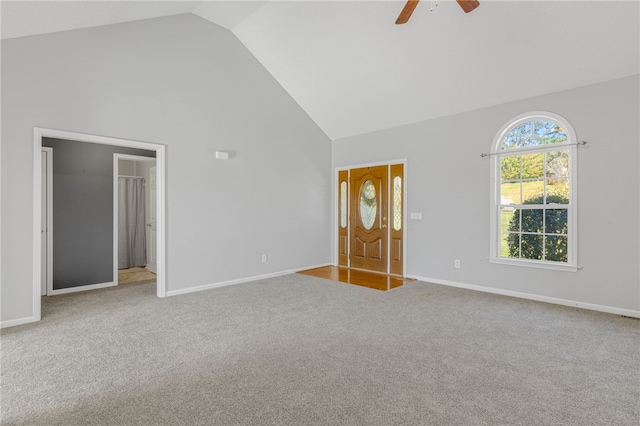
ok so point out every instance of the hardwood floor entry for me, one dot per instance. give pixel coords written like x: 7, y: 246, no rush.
x: 372, y: 280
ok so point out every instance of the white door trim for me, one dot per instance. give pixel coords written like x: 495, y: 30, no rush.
x: 116, y: 173
x: 336, y: 200
x: 49, y: 219
x: 38, y: 134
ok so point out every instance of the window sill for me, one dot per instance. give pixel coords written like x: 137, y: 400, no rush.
x: 535, y: 264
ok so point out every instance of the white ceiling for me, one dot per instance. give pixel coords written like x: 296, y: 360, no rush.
x: 354, y: 71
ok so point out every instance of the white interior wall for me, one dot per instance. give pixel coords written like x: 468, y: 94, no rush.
x: 134, y: 168
x: 141, y: 168
x: 192, y: 86
x: 449, y: 183
x: 127, y: 168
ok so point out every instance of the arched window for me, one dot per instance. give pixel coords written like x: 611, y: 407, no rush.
x: 533, y: 194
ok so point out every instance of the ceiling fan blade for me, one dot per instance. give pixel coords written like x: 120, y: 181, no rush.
x: 406, y: 12
x: 468, y: 5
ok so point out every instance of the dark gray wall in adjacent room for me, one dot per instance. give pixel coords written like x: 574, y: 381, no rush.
x: 83, y: 211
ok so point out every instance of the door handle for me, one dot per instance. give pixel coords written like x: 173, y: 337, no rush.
x: 384, y: 226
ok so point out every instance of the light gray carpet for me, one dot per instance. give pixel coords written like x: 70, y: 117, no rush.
x: 298, y: 350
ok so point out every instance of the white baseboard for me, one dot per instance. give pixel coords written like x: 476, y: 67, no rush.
x: 240, y: 280
x: 26, y: 320
x: 536, y: 297
x: 18, y: 321
x: 81, y: 288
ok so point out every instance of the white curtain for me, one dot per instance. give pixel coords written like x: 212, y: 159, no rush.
x: 132, y: 250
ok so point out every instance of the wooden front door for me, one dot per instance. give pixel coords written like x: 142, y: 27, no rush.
x: 369, y: 218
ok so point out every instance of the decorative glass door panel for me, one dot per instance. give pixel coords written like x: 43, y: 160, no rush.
x: 396, y: 242
x: 368, y: 204
x: 343, y: 209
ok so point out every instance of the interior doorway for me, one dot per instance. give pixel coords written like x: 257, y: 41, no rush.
x: 39, y: 198
x: 134, y: 218
x: 371, y: 217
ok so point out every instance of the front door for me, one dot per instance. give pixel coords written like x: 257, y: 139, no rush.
x: 369, y: 218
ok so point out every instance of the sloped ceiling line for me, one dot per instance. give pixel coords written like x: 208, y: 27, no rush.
x: 354, y: 71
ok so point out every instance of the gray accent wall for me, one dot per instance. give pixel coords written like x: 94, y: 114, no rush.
x: 83, y: 211
x: 448, y: 182
x: 190, y: 85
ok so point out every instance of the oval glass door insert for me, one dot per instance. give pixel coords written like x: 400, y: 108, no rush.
x: 368, y: 204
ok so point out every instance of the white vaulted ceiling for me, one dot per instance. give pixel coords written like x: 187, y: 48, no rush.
x: 354, y: 71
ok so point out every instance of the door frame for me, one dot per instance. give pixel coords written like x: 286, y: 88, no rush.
x: 116, y: 166
x: 49, y: 222
x: 38, y: 134
x: 336, y: 213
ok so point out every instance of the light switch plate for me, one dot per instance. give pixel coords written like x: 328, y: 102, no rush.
x: 416, y: 215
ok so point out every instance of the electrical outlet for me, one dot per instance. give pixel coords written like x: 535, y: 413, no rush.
x: 264, y: 258
x: 456, y: 263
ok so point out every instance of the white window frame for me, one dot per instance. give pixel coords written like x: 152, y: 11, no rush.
x: 496, y: 154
